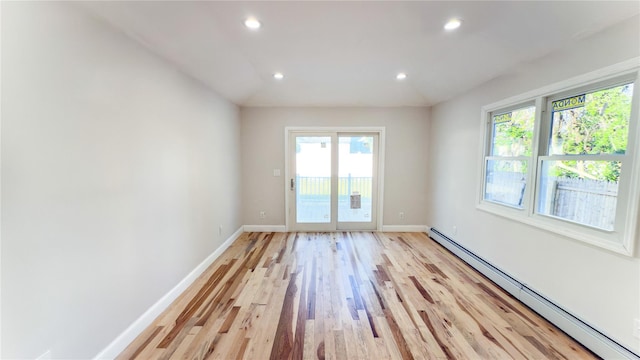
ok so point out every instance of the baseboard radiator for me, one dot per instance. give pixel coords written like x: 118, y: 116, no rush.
x: 594, y: 340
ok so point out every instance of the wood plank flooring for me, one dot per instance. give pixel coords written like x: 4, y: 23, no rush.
x: 347, y: 295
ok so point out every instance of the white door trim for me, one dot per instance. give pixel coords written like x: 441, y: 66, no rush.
x: 380, y: 130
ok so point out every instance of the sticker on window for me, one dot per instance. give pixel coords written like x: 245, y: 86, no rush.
x: 569, y: 103
x: 502, y: 118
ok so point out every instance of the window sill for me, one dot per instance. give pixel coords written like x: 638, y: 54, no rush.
x: 608, y: 240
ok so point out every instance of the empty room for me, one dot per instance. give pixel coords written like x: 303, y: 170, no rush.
x: 319, y: 180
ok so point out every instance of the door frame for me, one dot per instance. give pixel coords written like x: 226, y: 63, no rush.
x: 379, y: 130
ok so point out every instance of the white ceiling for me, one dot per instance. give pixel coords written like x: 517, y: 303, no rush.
x: 348, y: 53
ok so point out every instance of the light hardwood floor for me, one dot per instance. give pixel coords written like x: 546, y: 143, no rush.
x: 347, y: 295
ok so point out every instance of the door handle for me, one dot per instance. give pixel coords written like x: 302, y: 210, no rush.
x: 292, y: 184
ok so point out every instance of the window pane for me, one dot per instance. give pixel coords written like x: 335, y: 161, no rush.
x: 593, y: 123
x: 355, y: 178
x: 585, y: 192
x: 506, y: 181
x: 513, y: 132
x: 313, y: 179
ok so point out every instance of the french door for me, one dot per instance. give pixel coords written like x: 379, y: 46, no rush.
x: 333, y: 180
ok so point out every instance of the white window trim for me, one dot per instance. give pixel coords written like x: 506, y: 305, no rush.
x: 622, y: 243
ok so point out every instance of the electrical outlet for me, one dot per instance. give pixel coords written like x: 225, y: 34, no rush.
x: 455, y: 230
x: 263, y: 214
x: 220, y: 230
x: 636, y: 328
x: 401, y: 214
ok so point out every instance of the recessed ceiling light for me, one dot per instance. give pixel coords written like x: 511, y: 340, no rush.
x: 252, y: 23
x: 452, y: 24
x: 401, y: 76
x: 278, y: 76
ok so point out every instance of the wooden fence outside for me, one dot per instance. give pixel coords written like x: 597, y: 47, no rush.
x: 585, y: 201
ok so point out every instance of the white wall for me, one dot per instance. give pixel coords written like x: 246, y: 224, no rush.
x: 407, y: 130
x: 600, y: 287
x: 116, y: 172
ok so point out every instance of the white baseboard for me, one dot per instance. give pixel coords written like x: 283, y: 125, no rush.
x: 578, y: 329
x: 385, y: 228
x: 405, y: 228
x: 265, y: 228
x: 139, y: 325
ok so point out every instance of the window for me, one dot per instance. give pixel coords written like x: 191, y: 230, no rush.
x: 509, y: 156
x: 564, y: 159
x: 580, y: 174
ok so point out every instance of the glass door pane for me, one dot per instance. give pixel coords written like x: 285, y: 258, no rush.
x: 313, y: 179
x: 332, y: 180
x: 355, y: 178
